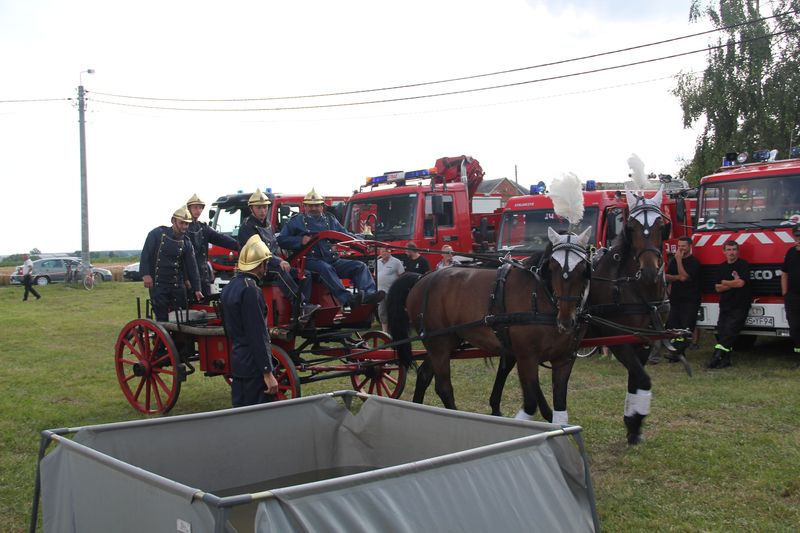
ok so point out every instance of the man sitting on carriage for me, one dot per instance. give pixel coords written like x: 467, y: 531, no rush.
x: 293, y: 288
x: 322, y: 260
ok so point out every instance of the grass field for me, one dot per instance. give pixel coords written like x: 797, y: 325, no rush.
x: 722, y: 450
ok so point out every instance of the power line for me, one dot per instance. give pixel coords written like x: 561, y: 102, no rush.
x: 448, y: 93
x: 34, y: 100
x: 462, y: 78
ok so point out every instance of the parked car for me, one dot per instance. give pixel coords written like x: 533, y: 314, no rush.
x: 131, y: 272
x: 54, y: 270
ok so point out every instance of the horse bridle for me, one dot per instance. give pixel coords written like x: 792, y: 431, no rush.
x: 645, y: 209
x: 583, y: 256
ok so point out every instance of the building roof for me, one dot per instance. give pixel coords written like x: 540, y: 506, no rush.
x: 488, y: 186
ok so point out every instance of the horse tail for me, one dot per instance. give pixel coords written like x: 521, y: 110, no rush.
x: 399, y: 321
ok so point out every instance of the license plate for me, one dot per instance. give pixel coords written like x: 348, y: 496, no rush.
x: 760, y: 321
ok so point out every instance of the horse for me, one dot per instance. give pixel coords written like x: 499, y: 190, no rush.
x: 531, y: 314
x: 628, y: 293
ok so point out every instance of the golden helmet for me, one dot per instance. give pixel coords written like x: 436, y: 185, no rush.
x: 253, y: 253
x: 195, y: 200
x: 313, y: 198
x: 182, y: 214
x: 258, y: 198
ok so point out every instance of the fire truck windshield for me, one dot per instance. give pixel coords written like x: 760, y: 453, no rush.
x: 389, y: 217
x: 526, y: 231
x: 227, y: 221
x: 768, y: 202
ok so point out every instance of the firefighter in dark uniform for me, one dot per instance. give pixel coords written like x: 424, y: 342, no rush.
x: 168, y: 263
x: 297, y: 291
x: 733, y: 287
x: 201, y: 234
x: 790, y: 288
x: 683, y: 272
x: 322, y: 260
x: 244, y: 315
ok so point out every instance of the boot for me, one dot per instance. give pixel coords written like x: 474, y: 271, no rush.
x: 633, y: 424
x: 716, y: 359
x: 725, y: 362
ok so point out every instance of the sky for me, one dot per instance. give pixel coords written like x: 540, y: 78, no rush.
x: 144, y: 162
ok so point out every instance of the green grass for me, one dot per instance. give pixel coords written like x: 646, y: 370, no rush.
x: 722, y: 450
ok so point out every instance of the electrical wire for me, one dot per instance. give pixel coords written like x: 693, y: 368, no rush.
x: 441, y: 94
x: 463, y: 78
x: 34, y: 100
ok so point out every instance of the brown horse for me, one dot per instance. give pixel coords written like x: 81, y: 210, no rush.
x: 532, y: 318
x: 628, y: 289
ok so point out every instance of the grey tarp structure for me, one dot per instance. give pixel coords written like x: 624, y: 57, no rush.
x: 310, y: 464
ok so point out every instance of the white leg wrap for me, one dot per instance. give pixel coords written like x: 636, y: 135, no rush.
x: 638, y: 403
x: 561, y: 418
x: 522, y: 415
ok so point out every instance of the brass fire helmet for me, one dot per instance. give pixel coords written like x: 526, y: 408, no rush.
x: 195, y: 200
x: 183, y: 215
x: 313, y: 198
x: 258, y: 198
x: 253, y: 253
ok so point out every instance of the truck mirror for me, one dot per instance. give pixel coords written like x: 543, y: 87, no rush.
x: 437, y: 205
x: 211, y: 213
x: 285, y: 211
x: 680, y: 209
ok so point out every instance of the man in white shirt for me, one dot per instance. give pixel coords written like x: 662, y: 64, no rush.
x: 389, y: 269
x: 27, y: 278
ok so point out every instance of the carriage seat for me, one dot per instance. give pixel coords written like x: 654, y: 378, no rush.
x: 187, y: 315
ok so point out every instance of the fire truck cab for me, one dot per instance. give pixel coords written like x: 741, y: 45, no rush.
x: 430, y: 207
x: 523, y: 229
x: 755, y: 204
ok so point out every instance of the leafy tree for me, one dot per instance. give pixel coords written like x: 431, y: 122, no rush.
x: 748, y: 97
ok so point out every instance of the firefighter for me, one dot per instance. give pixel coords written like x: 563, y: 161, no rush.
x: 683, y: 272
x: 295, y: 290
x: 790, y: 288
x: 244, y: 314
x: 169, y: 265
x: 322, y: 260
x: 733, y: 287
x: 201, y: 234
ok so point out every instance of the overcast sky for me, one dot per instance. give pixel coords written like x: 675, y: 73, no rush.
x: 143, y: 163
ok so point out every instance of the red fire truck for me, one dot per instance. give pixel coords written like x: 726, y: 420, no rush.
x: 430, y: 207
x: 523, y: 229
x: 754, y: 203
x: 228, y: 213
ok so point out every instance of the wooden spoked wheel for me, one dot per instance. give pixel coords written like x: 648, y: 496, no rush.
x: 381, y: 379
x: 285, y: 374
x: 148, y: 367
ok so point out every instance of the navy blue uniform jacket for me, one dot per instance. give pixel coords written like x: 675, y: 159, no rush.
x: 244, y: 312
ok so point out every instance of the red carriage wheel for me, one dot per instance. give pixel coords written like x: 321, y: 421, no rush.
x: 148, y: 366
x: 381, y: 379
x: 286, y: 374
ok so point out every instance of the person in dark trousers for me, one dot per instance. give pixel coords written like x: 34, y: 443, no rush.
x: 733, y: 287
x: 201, y: 234
x: 415, y: 262
x: 790, y: 288
x: 27, y: 278
x: 683, y: 273
x: 244, y: 315
x: 169, y: 267
x: 322, y: 260
x: 293, y: 288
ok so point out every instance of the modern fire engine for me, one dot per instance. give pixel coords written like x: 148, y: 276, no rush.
x: 754, y: 200
x: 228, y: 213
x: 523, y: 229
x: 430, y: 207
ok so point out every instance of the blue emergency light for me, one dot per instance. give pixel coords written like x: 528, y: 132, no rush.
x: 794, y: 152
x: 761, y: 155
x: 267, y: 190
x: 398, y: 177
x: 591, y: 185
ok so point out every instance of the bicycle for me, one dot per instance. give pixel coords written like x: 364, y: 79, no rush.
x: 83, y: 274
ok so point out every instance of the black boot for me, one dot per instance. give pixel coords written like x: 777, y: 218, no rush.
x: 725, y: 362
x: 633, y: 424
x: 716, y: 359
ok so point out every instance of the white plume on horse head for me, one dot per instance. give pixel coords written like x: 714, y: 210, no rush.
x: 566, y: 193
x: 637, y: 172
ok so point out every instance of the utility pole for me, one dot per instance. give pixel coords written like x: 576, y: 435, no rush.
x: 84, y: 186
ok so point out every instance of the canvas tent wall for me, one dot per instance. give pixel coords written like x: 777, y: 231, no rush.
x: 312, y: 464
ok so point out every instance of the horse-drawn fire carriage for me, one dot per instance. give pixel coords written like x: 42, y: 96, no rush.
x: 511, y: 312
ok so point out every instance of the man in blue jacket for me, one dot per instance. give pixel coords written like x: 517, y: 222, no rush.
x: 201, y: 234
x: 322, y: 260
x: 244, y: 314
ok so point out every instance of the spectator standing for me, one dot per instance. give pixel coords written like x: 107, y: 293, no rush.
x: 244, y: 313
x: 389, y: 269
x: 447, y: 258
x: 733, y: 287
x: 790, y: 288
x: 683, y: 273
x: 27, y: 278
x: 414, y: 261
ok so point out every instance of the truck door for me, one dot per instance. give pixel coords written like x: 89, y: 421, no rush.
x: 613, y: 224
x: 439, y: 227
